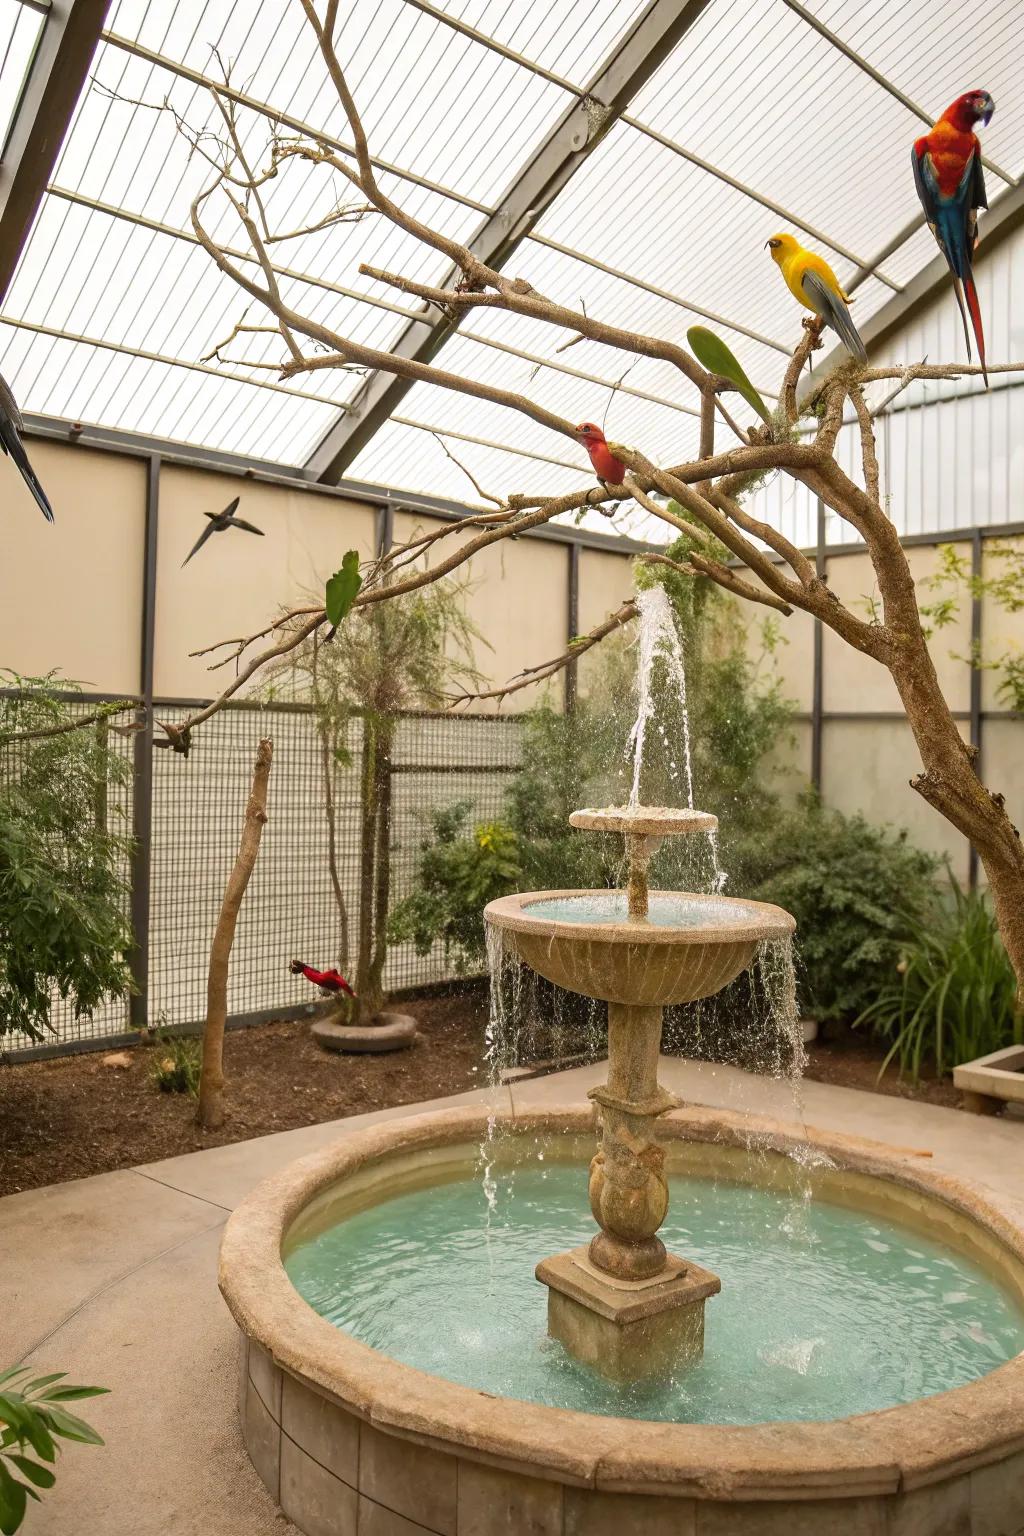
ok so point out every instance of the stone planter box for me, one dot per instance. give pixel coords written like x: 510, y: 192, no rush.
x: 992, y: 1082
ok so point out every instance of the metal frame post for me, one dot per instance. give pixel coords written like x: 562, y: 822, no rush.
x: 818, y: 681
x: 573, y: 626
x: 977, y: 551
x: 142, y: 780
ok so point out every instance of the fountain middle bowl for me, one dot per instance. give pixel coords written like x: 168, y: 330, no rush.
x: 690, y: 946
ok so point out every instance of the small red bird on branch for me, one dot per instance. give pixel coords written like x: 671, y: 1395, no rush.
x: 607, y: 467
x: 330, y: 982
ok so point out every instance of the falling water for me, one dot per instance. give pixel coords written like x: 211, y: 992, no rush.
x: 658, y: 639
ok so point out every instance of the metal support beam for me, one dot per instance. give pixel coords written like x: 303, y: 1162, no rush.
x: 71, y: 30
x: 578, y: 132
x: 818, y: 679
x: 573, y: 627
x: 142, y: 780
x: 977, y: 552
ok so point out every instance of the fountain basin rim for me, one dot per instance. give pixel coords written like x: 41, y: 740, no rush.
x: 766, y: 922
x: 889, y: 1451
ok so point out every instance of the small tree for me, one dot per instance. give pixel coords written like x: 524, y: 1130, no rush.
x: 404, y: 654
x: 63, y: 856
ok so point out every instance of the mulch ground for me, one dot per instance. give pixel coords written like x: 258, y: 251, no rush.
x: 852, y: 1060
x: 73, y: 1116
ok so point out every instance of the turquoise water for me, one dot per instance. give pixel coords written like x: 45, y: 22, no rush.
x: 663, y: 911
x: 823, y: 1312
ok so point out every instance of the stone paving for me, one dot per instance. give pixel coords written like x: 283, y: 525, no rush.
x: 113, y: 1278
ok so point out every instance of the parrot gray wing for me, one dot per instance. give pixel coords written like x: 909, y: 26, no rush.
x: 11, y: 428
x: 834, y: 312
x: 211, y: 527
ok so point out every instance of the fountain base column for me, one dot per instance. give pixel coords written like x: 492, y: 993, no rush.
x: 623, y: 1305
x: 627, y: 1330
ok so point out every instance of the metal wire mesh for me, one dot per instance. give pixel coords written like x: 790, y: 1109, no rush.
x: 290, y: 909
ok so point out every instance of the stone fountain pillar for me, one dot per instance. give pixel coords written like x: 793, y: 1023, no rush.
x: 622, y: 1303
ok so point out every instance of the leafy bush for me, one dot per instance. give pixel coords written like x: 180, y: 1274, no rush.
x: 461, y: 870
x: 855, y: 890
x: 32, y: 1419
x: 951, y: 997
x: 177, y: 1064
x: 63, y: 891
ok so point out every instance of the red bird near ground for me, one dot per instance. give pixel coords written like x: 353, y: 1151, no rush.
x: 606, y: 466
x: 951, y: 185
x: 330, y: 982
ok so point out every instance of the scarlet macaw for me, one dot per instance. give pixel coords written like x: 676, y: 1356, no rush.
x: 607, y: 467
x: 951, y: 185
x: 11, y: 428
x: 329, y: 982
x: 219, y: 521
x: 811, y: 280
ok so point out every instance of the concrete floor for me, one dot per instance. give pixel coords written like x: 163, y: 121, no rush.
x: 113, y: 1279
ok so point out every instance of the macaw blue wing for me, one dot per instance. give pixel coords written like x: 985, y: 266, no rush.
x: 953, y: 220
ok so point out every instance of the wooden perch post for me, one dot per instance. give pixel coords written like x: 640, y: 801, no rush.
x: 210, y: 1113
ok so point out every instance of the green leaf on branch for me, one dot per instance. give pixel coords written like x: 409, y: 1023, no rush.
x: 711, y: 351
x: 343, y: 588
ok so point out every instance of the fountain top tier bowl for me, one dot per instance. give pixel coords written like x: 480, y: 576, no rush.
x: 687, y: 947
x: 644, y: 820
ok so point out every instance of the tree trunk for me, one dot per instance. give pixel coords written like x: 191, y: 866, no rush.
x: 210, y: 1111
x: 328, y: 758
x: 382, y: 883
x: 950, y: 784
x: 367, y: 1006
x: 375, y: 866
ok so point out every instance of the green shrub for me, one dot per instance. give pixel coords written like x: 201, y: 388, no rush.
x: 855, y: 890
x: 176, y: 1064
x: 951, y: 997
x: 63, y: 887
x: 32, y: 1419
x: 460, y: 871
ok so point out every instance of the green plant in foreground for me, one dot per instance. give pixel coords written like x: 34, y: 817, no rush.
x: 952, y: 996
x: 32, y: 1419
x: 176, y: 1064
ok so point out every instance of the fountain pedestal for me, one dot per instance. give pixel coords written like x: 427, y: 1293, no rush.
x: 622, y: 1304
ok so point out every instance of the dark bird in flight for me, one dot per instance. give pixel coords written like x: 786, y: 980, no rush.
x: 11, y: 428
x: 219, y: 521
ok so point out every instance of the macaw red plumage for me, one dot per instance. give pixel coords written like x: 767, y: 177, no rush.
x: 606, y: 466
x: 329, y: 982
x: 951, y: 185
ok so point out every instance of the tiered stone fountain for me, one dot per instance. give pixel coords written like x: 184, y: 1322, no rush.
x: 623, y: 1304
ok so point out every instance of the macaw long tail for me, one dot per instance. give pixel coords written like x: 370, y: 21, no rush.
x: 959, y: 292
x: 971, y: 295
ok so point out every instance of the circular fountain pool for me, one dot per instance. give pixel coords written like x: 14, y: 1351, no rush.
x: 824, y: 1311
x: 854, y: 1279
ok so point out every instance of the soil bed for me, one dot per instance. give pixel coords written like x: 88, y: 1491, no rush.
x: 74, y: 1116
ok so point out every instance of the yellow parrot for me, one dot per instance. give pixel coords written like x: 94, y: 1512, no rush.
x: 812, y: 281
